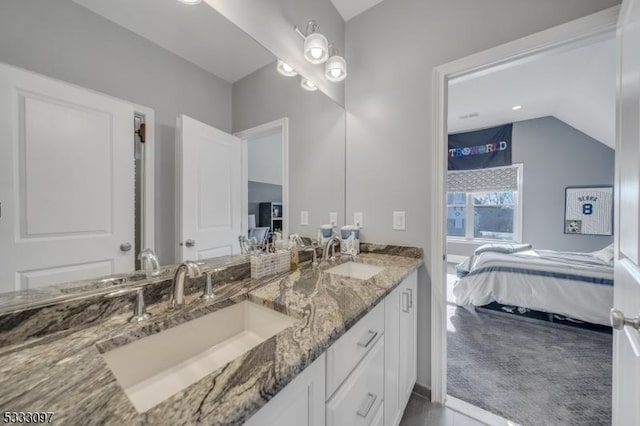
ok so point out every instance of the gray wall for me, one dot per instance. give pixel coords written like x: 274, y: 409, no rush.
x: 260, y: 192
x: 555, y: 155
x: 392, y: 49
x: 271, y: 23
x: 316, y: 142
x: 60, y: 39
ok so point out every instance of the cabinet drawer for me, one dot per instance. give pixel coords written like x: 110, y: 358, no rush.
x: 346, y: 352
x: 356, y: 403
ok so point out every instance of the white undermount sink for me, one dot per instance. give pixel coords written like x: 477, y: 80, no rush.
x: 361, y: 271
x: 155, y: 367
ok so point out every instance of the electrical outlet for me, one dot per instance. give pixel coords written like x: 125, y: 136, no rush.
x: 399, y: 221
x: 358, y: 220
x: 304, y: 218
x: 333, y: 218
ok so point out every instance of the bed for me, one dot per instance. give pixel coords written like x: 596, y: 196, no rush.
x: 575, y: 285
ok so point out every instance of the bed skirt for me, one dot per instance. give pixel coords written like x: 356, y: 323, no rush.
x: 543, y: 316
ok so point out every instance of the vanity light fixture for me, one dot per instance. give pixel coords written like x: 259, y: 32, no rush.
x: 316, y: 45
x: 335, y: 69
x: 308, y: 85
x: 286, y: 69
x: 191, y: 2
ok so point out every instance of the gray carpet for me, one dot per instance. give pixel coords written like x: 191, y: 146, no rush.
x: 531, y: 373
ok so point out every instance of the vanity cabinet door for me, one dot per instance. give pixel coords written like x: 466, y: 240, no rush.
x: 408, y: 339
x: 400, y: 349
x: 300, y: 403
x: 392, y: 411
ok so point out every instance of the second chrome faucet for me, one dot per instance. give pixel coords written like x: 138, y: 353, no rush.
x: 187, y: 268
x: 150, y: 263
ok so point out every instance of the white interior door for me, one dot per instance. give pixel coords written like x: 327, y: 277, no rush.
x: 66, y: 182
x: 210, y: 188
x: 626, y: 340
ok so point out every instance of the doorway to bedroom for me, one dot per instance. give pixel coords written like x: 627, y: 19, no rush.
x: 529, y: 237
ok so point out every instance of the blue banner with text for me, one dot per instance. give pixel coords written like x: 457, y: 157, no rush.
x: 480, y: 149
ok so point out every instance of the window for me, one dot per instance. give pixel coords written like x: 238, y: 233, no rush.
x: 456, y: 214
x: 486, y: 204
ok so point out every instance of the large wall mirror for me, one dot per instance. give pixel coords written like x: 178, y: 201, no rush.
x: 127, y: 125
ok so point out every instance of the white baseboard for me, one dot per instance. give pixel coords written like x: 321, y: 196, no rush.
x: 477, y: 413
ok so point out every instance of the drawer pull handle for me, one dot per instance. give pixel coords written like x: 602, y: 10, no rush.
x: 368, y: 403
x: 367, y: 341
x: 410, y: 297
x: 405, y: 301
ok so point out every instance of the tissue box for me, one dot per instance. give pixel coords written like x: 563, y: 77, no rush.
x: 267, y: 264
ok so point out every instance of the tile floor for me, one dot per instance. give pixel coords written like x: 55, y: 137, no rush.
x: 420, y: 412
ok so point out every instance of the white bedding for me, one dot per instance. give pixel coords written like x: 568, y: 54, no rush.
x: 577, y: 285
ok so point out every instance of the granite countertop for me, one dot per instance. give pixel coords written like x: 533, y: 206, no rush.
x: 69, y: 376
x: 24, y: 299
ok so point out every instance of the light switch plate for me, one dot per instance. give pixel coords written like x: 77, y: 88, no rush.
x: 358, y: 220
x: 304, y: 218
x: 333, y: 218
x: 399, y: 221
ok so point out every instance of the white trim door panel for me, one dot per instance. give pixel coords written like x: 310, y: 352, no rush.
x: 626, y: 291
x: 66, y: 182
x: 210, y: 191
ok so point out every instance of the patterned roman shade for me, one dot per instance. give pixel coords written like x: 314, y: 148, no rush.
x: 493, y: 179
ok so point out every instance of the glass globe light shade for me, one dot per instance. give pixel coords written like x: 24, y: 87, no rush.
x: 316, y: 48
x: 335, y: 69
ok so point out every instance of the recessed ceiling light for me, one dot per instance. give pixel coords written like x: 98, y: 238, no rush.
x: 470, y: 115
x: 190, y: 1
x: 516, y: 107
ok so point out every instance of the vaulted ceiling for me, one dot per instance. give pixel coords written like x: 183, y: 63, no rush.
x: 196, y: 33
x: 576, y: 86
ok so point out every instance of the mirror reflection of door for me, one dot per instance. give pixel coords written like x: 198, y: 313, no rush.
x: 67, y: 193
x: 209, y: 218
x: 266, y: 204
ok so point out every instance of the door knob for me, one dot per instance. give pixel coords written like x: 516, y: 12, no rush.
x: 618, y: 320
x: 125, y: 247
x: 190, y: 243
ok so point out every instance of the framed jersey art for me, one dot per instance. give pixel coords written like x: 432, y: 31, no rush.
x: 588, y: 210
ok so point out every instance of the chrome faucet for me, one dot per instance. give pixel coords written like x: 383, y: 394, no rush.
x: 330, y: 243
x: 312, y: 248
x: 298, y: 239
x: 189, y: 268
x: 149, y: 262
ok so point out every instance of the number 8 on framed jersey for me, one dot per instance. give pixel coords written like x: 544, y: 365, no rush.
x: 588, y: 210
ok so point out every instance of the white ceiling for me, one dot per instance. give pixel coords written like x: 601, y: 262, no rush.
x: 577, y: 87
x: 350, y: 8
x: 197, y: 33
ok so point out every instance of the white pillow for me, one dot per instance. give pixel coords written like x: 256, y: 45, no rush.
x: 605, y: 254
x: 507, y: 248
